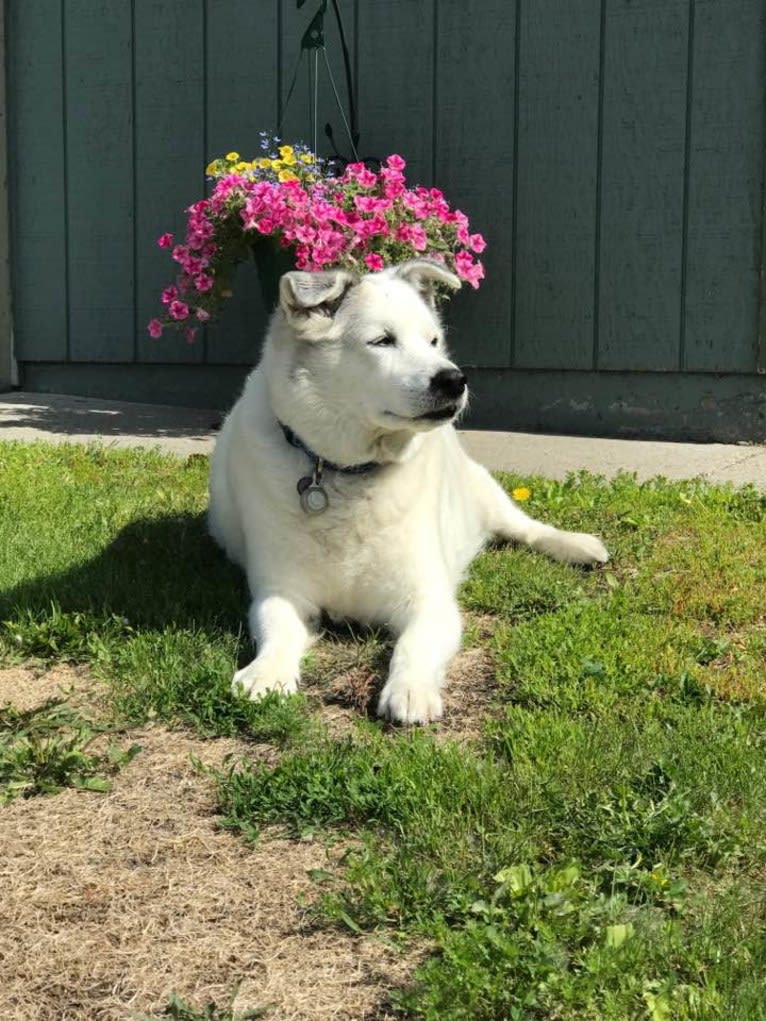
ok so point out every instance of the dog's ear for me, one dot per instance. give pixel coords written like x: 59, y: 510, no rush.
x: 309, y: 295
x: 425, y: 275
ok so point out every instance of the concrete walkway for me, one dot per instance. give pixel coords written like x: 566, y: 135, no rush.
x: 183, y: 431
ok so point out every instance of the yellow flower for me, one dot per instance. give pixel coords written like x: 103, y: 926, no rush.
x: 264, y: 163
x: 232, y: 157
x: 289, y: 160
x: 241, y: 167
x: 521, y: 494
x: 276, y: 164
x: 211, y: 168
x: 285, y: 151
x: 287, y: 175
x: 306, y: 157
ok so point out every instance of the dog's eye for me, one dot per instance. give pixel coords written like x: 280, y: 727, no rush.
x: 434, y: 342
x: 385, y: 341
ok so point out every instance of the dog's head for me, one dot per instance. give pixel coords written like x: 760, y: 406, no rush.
x: 366, y: 351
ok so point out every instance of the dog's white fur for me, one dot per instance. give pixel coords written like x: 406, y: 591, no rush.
x: 348, y: 365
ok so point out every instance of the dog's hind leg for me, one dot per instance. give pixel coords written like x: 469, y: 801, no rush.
x: 504, y: 520
x: 280, y: 627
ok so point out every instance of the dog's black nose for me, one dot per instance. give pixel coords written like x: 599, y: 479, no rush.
x: 448, y: 383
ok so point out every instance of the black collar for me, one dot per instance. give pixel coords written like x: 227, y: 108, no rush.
x: 316, y: 460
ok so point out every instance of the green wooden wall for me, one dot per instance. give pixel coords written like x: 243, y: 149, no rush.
x: 612, y: 151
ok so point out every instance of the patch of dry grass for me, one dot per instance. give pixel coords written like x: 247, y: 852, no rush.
x: 27, y: 687
x: 112, y: 903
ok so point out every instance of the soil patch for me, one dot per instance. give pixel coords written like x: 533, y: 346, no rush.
x: 346, y: 678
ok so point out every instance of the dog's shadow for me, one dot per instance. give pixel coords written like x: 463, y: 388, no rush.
x: 162, y: 573
x: 157, y: 572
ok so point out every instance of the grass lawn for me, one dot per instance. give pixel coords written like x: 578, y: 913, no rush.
x: 592, y: 846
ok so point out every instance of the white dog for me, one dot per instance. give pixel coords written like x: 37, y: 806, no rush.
x: 339, y: 484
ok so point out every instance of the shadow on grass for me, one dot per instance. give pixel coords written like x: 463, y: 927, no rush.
x: 157, y: 572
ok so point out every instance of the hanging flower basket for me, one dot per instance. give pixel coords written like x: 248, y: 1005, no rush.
x: 288, y: 210
x: 271, y: 262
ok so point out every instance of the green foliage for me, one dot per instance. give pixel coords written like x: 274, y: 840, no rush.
x: 184, y: 676
x: 180, y: 1010
x: 46, y: 749
x: 549, y: 943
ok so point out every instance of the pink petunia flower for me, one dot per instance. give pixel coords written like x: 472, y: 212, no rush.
x: 165, y: 240
x: 169, y: 294
x: 203, y: 282
x: 178, y: 310
x: 477, y: 243
x: 470, y: 271
x: 155, y: 328
x: 395, y: 162
x: 366, y: 178
x: 373, y: 262
x: 418, y: 238
x: 366, y: 203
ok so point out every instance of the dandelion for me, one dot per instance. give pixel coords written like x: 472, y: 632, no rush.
x: 521, y: 493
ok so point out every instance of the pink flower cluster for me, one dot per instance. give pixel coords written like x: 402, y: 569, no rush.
x: 362, y: 221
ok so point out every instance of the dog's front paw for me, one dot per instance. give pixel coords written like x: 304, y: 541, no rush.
x: 574, y: 548
x: 257, y: 679
x: 403, y: 702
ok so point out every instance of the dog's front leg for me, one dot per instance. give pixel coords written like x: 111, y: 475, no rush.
x: 429, y: 637
x: 279, y: 627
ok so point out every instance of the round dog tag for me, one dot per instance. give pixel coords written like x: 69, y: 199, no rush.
x: 314, y: 499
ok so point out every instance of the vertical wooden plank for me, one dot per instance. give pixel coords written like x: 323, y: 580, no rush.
x: 5, y: 288
x: 644, y: 116
x: 37, y: 173
x: 169, y: 157
x: 99, y: 115
x: 726, y: 175
x: 242, y: 35
x: 474, y: 149
x: 297, y: 111
x: 396, y: 82
x: 557, y: 172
